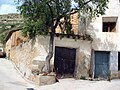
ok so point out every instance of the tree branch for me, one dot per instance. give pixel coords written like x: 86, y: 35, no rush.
x: 50, y: 11
x: 87, y: 2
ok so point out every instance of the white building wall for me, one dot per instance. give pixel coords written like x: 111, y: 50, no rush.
x: 112, y: 11
x: 113, y: 65
x: 107, y: 41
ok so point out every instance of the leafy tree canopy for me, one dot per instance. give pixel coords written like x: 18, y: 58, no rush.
x: 43, y: 16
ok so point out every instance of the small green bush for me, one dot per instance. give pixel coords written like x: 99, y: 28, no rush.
x: 83, y: 78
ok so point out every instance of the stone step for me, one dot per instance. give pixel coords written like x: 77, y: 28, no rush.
x: 47, y: 80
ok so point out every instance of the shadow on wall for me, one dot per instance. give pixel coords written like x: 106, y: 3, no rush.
x: 33, y: 41
x: 86, y: 28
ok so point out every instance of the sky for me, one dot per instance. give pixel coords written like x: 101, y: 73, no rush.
x: 7, y: 6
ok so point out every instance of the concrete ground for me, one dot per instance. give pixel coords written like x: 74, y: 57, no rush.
x: 10, y: 79
x: 72, y: 84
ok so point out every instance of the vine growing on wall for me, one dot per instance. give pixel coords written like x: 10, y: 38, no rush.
x: 2, y: 38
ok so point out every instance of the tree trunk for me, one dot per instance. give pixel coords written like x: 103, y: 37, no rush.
x: 50, y: 54
x: 51, y: 44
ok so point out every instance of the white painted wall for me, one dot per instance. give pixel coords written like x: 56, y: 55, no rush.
x: 112, y: 11
x: 113, y: 59
x: 106, y: 41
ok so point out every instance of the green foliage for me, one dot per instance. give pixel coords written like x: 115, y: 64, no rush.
x: 2, y: 38
x: 5, y: 28
x: 92, y: 8
x: 109, y: 75
x: 83, y: 78
x: 43, y: 16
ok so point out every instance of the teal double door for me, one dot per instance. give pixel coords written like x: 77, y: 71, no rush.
x: 101, y: 64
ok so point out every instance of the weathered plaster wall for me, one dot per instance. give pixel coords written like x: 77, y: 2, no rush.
x: 95, y: 26
x: 8, y: 47
x: 83, y: 54
x: 23, y: 55
x: 107, y: 41
x: 114, y: 64
x: 15, y: 39
x: 36, y: 51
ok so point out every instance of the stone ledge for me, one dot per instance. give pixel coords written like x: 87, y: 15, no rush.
x: 47, y: 80
x: 114, y: 75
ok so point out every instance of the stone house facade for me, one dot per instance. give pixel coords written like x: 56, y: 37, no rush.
x: 98, y: 57
x: 29, y: 55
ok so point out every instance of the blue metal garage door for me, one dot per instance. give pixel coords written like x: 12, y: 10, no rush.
x: 101, y: 64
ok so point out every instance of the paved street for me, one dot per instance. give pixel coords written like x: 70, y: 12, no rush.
x: 72, y: 84
x: 10, y: 79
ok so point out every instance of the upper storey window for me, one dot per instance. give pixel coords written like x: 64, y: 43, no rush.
x: 109, y: 24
